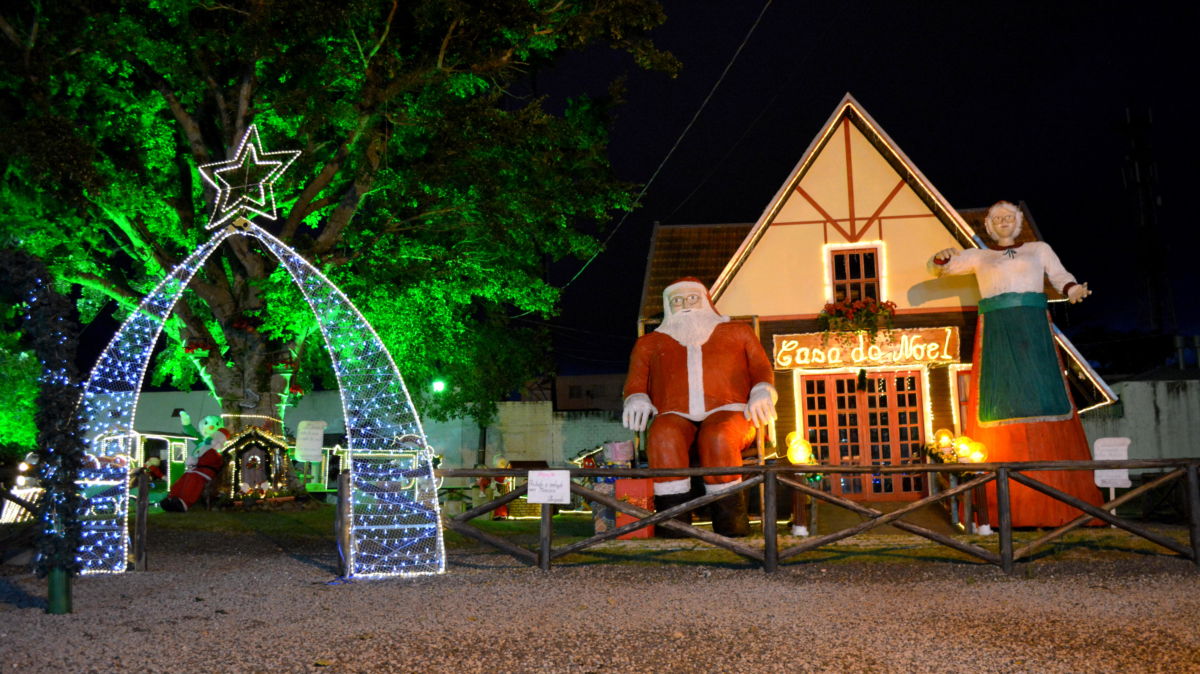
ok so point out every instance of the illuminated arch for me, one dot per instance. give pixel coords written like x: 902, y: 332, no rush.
x: 394, y: 525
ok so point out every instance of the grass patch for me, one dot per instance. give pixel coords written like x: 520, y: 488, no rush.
x: 312, y: 521
x: 315, y: 522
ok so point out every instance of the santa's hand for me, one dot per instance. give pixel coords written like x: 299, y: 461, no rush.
x: 638, y: 410
x: 1078, y: 292
x: 760, y: 409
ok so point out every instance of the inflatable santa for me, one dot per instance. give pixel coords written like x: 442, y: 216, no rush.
x: 210, y: 437
x: 707, y: 383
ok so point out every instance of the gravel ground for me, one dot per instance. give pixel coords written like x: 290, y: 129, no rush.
x: 241, y: 603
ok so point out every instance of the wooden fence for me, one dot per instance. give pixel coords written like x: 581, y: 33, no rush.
x: 772, y: 477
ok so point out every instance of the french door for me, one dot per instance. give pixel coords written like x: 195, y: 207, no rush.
x: 877, y: 424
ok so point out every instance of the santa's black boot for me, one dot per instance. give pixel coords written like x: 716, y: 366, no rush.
x: 663, y: 502
x: 729, y: 516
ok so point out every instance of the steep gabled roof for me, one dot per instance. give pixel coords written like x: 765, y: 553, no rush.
x: 702, y: 250
x: 686, y: 250
x: 849, y: 109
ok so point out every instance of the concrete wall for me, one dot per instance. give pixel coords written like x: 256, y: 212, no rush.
x: 1161, y: 417
x: 590, y: 392
x: 533, y: 431
x: 524, y: 431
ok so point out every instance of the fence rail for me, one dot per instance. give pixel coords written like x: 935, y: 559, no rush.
x: 771, y: 477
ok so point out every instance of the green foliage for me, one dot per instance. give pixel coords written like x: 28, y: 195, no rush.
x: 18, y: 432
x: 431, y: 195
x: 45, y: 316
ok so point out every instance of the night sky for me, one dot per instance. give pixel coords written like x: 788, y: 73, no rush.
x: 1017, y: 101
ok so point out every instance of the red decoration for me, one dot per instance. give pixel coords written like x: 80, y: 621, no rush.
x: 638, y: 492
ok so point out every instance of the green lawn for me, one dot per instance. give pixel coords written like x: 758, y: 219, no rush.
x: 315, y: 522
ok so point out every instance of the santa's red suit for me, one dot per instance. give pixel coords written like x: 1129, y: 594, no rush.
x: 705, y: 377
x: 188, y: 488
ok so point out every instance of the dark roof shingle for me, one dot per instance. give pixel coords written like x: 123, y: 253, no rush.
x: 687, y: 250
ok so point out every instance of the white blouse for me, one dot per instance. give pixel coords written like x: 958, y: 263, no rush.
x: 1014, y: 270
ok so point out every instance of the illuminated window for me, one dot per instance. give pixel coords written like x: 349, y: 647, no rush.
x: 855, y: 274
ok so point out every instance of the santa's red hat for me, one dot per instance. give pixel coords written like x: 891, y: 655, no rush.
x: 687, y: 283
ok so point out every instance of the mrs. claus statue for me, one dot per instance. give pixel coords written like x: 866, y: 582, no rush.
x: 1021, y: 408
x: 707, y: 383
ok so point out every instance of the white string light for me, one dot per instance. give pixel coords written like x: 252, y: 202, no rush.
x: 395, y: 526
x: 246, y: 197
x: 108, y: 406
x: 378, y: 413
x: 393, y: 516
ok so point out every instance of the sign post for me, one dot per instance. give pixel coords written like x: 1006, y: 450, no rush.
x: 1112, y: 449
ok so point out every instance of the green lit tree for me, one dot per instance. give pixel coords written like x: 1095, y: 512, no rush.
x: 431, y: 194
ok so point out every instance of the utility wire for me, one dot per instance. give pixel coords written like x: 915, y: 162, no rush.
x: 678, y: 140
x: 792, y: 71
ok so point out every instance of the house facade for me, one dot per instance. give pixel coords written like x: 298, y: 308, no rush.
x: 854, y: 220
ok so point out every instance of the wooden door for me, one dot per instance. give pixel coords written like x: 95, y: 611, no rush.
x: 879, y: 424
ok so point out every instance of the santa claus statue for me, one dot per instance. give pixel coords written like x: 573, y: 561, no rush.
x: 210, y: 438
x: 707, y: 383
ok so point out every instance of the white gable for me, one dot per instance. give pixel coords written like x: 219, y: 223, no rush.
x: 845, y: 193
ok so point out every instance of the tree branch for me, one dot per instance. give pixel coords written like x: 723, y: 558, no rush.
x: 191, y: 129
x: 351, y: 198
x: 386, y: 29
x: 391, y: 228
x: 245, y: 92
x: 11, y: 34
x: 217, y: 294
x: 252, y: 262
x: 301, y: 208
x: 124, y: 296
x: 441, y: 59
x: 218, y: 95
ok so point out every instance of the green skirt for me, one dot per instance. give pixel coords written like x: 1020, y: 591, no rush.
x: 1020, y: 377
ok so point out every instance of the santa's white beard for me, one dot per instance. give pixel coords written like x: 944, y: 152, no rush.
x: 691, y: 327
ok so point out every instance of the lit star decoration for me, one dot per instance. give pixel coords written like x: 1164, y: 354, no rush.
x: 395, y: 528
x: 245, y: 184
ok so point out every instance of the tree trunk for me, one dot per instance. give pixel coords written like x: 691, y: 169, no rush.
x: 251, y: 389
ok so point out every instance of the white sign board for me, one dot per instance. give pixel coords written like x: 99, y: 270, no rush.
x: 310, y: 435
x: 1112, y: 449
x: 549, y: 486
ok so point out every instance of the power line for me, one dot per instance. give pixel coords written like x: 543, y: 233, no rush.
x: 793, y: 69
x: 678, y: 140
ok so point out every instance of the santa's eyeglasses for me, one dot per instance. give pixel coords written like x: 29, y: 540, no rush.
x: 685, y: 300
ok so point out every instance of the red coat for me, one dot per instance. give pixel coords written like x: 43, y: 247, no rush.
x: 732, y: 360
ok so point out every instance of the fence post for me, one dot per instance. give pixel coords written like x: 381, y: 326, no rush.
x: 1005, y: 520
x: 770, y: 527
x: 953, y: 480
x: 544, y: 533
x: 341, y: 523
x: 139, y: 522
x: 1193, y: 488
